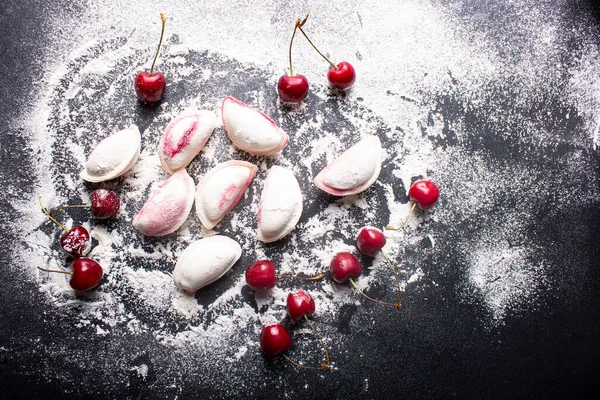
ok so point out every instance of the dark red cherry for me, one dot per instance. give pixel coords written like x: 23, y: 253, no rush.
x: 300, y: 303
x: 425, y: 193
x: 261, y: 275
x: 76, y: 241
x: 87, y: 274
x: 343, y: 77
x: 292, y: 89
x: 150, y: 88
x: 274, y: 340
x: 370, y: 240
x: 344, y: 266
x: 105, y: 203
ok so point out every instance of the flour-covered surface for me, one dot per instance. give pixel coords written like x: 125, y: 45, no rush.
x: 495, y: 101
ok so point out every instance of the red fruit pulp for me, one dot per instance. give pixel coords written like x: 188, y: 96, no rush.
x: 343, y: 77
x: 300, y: 303
x: 261, y: 275
x: 370, y: 241
x: 150, y: 88
x: 292, y: 89
x: 343, y: 266
x: 275, y: 339
x: 105, y: 203
x: 87, y: 274
x: 425, y: 193
x: 76, y: 242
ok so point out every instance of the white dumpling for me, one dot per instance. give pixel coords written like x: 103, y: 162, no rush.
x: 250, y: 129
x: 184, y: 137
x: 168, y: 207
x: 204, y: 261
x: 113, y: 156
x: 221, y: 189
x: 353, y: 171
x: 280, y: 205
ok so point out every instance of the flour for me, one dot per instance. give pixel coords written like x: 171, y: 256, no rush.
x: 429, y: 84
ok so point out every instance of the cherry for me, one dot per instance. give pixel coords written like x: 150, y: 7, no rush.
x: 293, y: 88
x: 300, y: 303
x: 150, y: 86
x: 86, y: 274
x: 261, y: 275
x: 274, y: 340
x: 370, y: 241
x: 76, y: 241
x: 105, y: 203
x: 425, y: 193
x: 344, y: 266
x: 342, y: 77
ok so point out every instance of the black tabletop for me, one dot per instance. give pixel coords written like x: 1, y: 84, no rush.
x: 455, y: 336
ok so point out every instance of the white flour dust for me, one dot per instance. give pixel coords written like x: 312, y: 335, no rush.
x: 438, y: 59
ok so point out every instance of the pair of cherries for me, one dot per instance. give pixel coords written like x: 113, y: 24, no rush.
x: 86, y: 273
x: 294, y: 88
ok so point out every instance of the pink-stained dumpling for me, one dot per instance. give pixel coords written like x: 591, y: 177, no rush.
x: 113, y: 156
x: 184, y: 137
x: 354, y: 171
x: 204, y: 261
x: 168, y: 207
x: 280, y: 205
x: 250, y: 129
x: 221, y: 189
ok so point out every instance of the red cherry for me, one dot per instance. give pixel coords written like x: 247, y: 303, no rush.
x: 87, y: 274
x: 370, y: 241
x: 261, y: 275
x: 299, y: 304
x: 344, y: 266
x: 343, y: 77
x: 105, y: 203
x: 76, y: 241
x: 275, y: 339
x: 425, y: 193
x: 292, y: 89
x: 150, y: 88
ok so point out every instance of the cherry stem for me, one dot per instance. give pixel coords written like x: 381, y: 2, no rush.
x: 385, y: 303
x: 306, y: 278
x: 299, y: 25
x: 68, y: 206
x: 50, y: 216
x: 162, y: 32
x: 55, y: 270
x: 391, y: 228
x: 398, y: 305
x: 326, y: 364
x: 292, y: 41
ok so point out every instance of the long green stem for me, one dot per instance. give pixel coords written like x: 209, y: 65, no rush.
x: 162, y: 32
x: 299, y: 26
x: 323, y: 366
x: 50, y: 216
x: 291, y: 42
x: 391, y: 228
